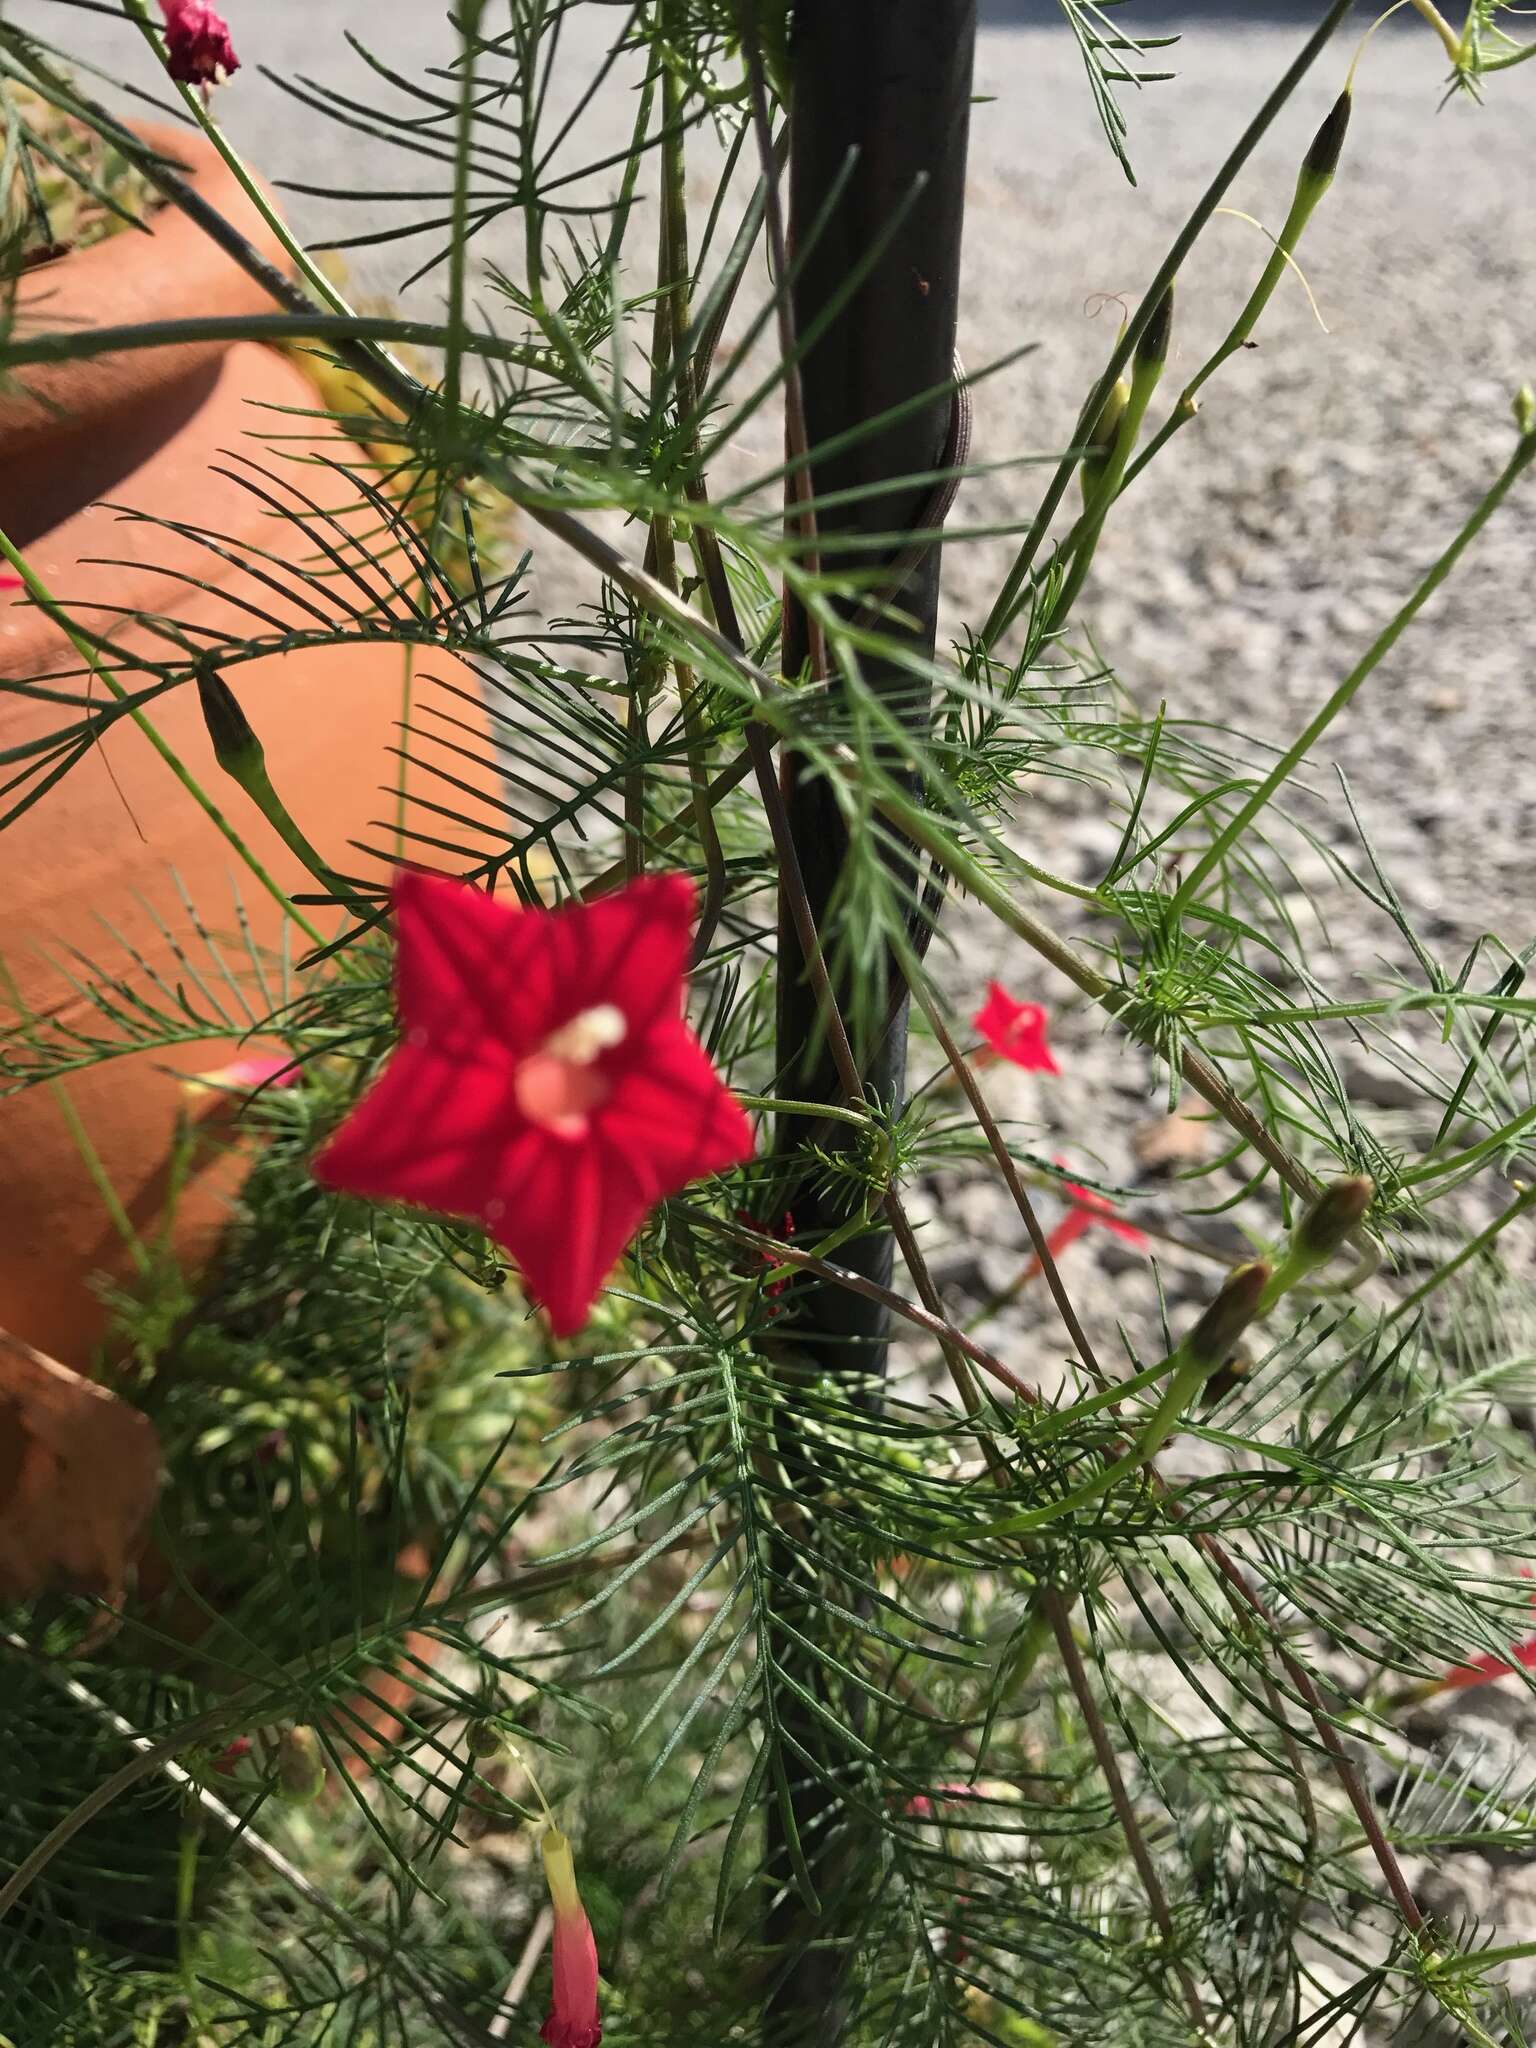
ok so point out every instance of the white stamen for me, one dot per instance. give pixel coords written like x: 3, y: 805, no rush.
x: 594, y: 1032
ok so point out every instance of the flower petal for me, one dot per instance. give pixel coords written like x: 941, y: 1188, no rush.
x: 468, y: 966
x: 1015, y: 1031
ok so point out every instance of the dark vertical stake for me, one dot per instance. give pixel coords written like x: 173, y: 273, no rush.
x: 881, y: 106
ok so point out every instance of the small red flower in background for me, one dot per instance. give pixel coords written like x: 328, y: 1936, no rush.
x: 198, y: 49
x: 924, y: 1805
x: 9, y: 580
x: 1091, y: 1212
x: 1088, y: 1211
x: 545, y: 1085
x: 1015, y: 1031
x: 786, y: 1231
x: 574, y: 2021
x: 1482, y: 1670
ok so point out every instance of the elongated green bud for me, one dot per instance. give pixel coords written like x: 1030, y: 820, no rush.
x: 1102, y: 438
x: 1322, y: 159
x: 300, y: 1765
x: 1152, y: 348
x: 1211, y: 1342
x: 243, y: 758
x: 1524, y: 409
x: 1337, y: 1211
x: 235, y: 746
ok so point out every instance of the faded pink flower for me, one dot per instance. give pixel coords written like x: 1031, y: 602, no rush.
x: 198, y: 50
x: 245, y: 1075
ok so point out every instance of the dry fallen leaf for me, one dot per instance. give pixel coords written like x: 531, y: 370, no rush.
x: 79, y: 1471
x: 1169, y: 1142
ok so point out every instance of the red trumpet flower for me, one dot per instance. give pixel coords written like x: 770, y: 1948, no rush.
x: 1088, y: 1211
x: 574, y: 2020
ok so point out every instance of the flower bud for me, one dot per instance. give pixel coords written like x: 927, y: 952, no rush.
x: 1152, y: 348
x: 1525, y: 409
x: 1211, y: 1342
x: 1322, y: 159
x: 485, y: 1740
x: 1335, y: 1213
x: 574, y: 2020
x: 300, y: 1765
x: 198, y: 49
x: 1101, y: 440
x: 235, y: 746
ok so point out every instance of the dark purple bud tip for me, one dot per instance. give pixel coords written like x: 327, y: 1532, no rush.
x: 1337, y: 1211
x: 1213, y: 1339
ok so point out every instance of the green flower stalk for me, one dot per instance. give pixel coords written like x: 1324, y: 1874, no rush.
x: 1147, y: 365
x: 1243, y: 1295
x: 1323, y: 1229
x: 1314, y: 178
x: 243, y: 758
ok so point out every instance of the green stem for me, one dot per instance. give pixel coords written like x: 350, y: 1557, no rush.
x: 41, y: 596
x: 300, y: 257
x: 1381, y: 646
x: 673, y: 286
x: 778, y: 1105
x: 1010, y: 597
x: 1523, y: 1201
x: 1474, y: 1155
x: 1185, y: 1381
x: 81, y: 344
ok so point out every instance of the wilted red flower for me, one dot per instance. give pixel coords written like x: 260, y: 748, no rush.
x: 545, y: 1085
x: 1088, y: 1211
x: 786, y: 1231
x: 574, y: 2021
x: 198, y: 49
x: 1015, y: 1031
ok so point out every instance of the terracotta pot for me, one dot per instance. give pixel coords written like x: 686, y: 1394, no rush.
x: 116, y: 836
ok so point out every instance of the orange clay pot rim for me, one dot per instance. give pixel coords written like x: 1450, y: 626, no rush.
x: 32, y: 644
x: 167, y: 267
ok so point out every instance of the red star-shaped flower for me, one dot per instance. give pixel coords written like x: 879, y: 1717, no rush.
x: 545, y: 1085
x: 198, y: 48
x: 1015, y: 1031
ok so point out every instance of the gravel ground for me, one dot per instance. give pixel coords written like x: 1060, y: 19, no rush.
x: 1255, y: 562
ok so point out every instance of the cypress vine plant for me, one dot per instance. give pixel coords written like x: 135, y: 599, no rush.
x: 602, y: 1581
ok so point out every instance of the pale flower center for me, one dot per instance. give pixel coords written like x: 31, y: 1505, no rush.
x: 559, y: 1085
